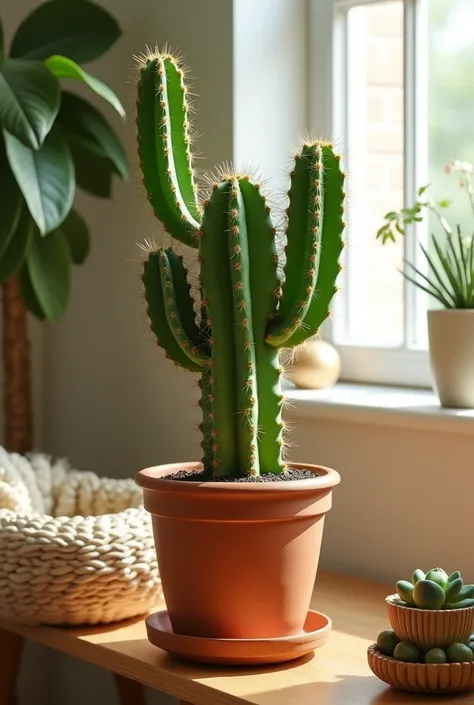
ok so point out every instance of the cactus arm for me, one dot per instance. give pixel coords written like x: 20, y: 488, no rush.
x: 205, y: 333
x: 173, y: 311
x: 176, y: 115
x: 217, y: 290
x: 206, y: 427
x: 245, y: 378
x: 155, y: 150
x: 264, y: 284
x: 157, y: 316
x: 331, y: 248
x: 184, y: 300
x: 303, y: 235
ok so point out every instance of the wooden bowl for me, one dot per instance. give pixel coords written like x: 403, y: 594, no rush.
x: 430, y: 629
x: 421, y: 677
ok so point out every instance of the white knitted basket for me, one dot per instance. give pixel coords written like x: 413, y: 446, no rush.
x: 74, y: 548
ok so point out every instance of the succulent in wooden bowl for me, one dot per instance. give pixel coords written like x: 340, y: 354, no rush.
x: 434, y: 610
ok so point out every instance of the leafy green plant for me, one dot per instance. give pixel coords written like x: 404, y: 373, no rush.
x: 51, y: 142
x: 449, y: 274
x: 435, y: 590
x: 248, y: 311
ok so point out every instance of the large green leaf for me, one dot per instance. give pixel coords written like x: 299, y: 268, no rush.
x: 93, y: 173
x: 18, y: 245
x: 49, y: 267
x: 45, y: 177
x: 29, y: 100
x: 2, y: 47
x: 10, y: 198
x: 79, y: 29
x: 76, y: 233
x: 62, y: 67
x: 28, y: 294
x: 88, y: 126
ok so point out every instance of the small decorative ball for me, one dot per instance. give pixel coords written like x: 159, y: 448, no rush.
x: 316, y: 365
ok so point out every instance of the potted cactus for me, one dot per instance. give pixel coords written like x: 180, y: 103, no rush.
x: 238, y: 534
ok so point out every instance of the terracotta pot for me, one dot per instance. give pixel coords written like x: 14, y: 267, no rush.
x: 237, y: 560
x: 430, y: 628
x: 451, y: 341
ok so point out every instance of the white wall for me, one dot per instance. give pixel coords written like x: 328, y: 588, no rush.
x: 405, y: 499
x: 270, y: 80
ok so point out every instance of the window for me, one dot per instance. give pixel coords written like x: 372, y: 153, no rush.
x: 402, y: 98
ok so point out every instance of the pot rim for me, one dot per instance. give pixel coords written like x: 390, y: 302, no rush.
x: 154, y: 478
x: 449, y: 311
x: 392, y: 601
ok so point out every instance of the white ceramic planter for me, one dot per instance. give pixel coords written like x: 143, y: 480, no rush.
x: 451, y: 341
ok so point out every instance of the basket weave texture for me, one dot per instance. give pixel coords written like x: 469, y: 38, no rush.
x: 74, y: 548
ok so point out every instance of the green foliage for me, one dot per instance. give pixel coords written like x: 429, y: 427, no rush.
x: 247, y: 310
x: 45, y: 177
x: 81, y: 121
x: 76, y: 233
x: 448, y: 276
x: 51, y: 142
x: 29, y: 100
x: 62, y: 67
x: 49, y: 267
x: 435, y: 590
x: 396, y: 221
x: 84, y: 33
x: 14, y: 253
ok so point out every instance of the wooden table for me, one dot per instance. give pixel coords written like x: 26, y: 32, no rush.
x: 337, y: 674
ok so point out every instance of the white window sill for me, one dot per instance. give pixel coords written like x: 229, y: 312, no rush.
x: 387, y: 406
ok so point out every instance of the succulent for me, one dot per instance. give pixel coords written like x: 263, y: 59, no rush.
x: 389, y: 644
x: 249, y: 307
x: 435, y: 590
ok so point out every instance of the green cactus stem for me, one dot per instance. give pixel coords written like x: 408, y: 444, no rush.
x: 247, y: 312
x: 329, y: 249
x: 163, y: 132
x: 265, y: 287
x: 157, y: 314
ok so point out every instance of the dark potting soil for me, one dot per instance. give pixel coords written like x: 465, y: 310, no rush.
x: 204, y: 476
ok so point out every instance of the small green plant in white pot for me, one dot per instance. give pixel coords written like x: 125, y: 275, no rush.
x: 448, y: 278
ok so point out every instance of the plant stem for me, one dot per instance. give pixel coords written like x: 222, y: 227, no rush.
x: 17, y: 405
x: 469, y: 189
x: 444, y: 224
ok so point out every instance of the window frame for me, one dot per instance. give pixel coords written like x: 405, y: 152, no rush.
x: 405, y: 365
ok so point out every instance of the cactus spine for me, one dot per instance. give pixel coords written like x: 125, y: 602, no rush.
x: 247, y: 312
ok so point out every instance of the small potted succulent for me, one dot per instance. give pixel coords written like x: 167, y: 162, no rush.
x: 448, y: 278
x: 238, y: 534
x: 432, y: 624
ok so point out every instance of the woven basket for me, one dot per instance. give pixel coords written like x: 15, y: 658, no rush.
x: 74, y: 548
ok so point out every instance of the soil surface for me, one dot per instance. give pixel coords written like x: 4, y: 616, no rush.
x: 288, y: 475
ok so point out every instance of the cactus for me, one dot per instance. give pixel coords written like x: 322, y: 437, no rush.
x: 248, y: 312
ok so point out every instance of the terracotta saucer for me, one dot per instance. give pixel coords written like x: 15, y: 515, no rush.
x: 238, y: 652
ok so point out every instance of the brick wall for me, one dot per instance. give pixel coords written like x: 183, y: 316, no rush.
x: 374, y: 285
